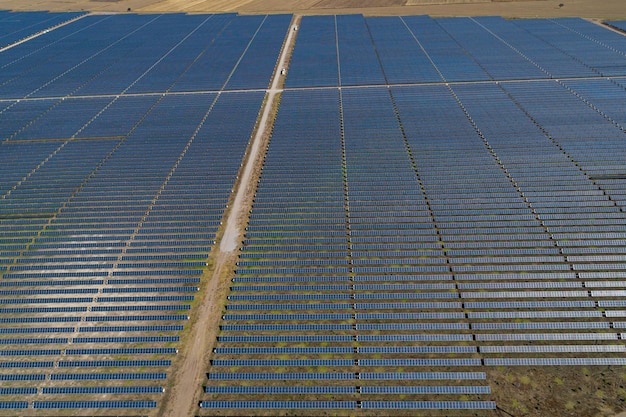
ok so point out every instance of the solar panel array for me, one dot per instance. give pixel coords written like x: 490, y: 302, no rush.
x: 113, y: 189
x: 401, y: 240
x: 17, y: 26
x: 621, y: 25
x: 114, y: 54
x: 353, y: 50
x: 406, y: 230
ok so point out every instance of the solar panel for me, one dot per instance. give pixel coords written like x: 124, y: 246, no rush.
x: 552, y: 349
x: 13, y: 404
x: 416, y: 349
x: 300, y: 376
x: 279, y: 390
x: 94, y: 404
x: 546, y: 336
x: 115, y: 363
x: 414, y: 337
x: 22, y: 377
x: 280, y: 404
x: 419, y: 362
x: 425, y: 389
x: 121, y: 351
x: 37, y: 364
x: 282, y: 362
x: 303, y: 338
x: 422, y: 375
x: 108, y: 376
x: 286, y: 350
x: 430, y: 405
x: 18, y: 391
x: 554, y: 361
x: 102, y: 390
x: 386, y: 222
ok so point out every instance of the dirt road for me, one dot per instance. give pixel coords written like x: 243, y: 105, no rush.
x: 182, y: 398
x: 231, y: 238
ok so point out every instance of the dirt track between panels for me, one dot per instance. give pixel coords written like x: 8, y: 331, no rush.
x: 183, y: 389
x: 184, y: 392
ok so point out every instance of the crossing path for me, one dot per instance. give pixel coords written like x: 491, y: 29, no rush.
x: 181, y: 399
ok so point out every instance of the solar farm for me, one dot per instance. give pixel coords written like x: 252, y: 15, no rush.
x: 434, y: 224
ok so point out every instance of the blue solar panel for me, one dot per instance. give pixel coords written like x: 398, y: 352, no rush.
x: 39, y: 364
x: 303, y: 338
x: 279, y: 390
x: 314, y: 60
x: 13, y: 404
x: 414, y: 337
x: 163, y: 328
x: 30, y: 352
x: 94, y: 404
x: 102, y: 390
x: 18, y: 391
x: 422, y: 375
x: 282, y: 362
x: 413, y: 326
x: 358, y: 59
x: 554, y: 361
x: 114, y: 363
x: 447, y: 55
x: 161, y: 317
x: 400, y: 53
x: 325, y: 306
x: 126, y: 339
x: 14, y: 330
x: 553, y: 349
x: 279, y: 404
x: 546, y: 336
x: 416, y: 349
x: 300, y: 376
x: 259, y: 59
x: 425, y: 390
x: 281, y: 317
x: 121, y: 351
x: 22, y: 377
x: 430, y: 405
x: 419, y: 362
x: 19, y: 25
x: 584, y: 43
x: 418, y: 201
x: 287, y: 350
x: 108, y: 376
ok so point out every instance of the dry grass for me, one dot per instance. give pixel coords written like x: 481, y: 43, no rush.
x: 559, y: 391
x: 605, y: 9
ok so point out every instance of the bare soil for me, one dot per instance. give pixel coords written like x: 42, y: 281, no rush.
x: 182, y: 397
x: 604, y: 9
x: 193, y: 358
x: 597, y: 391
x: 334, y: 4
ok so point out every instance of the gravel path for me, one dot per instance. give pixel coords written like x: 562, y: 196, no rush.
x: 231, y: 239
x: 182, y: 398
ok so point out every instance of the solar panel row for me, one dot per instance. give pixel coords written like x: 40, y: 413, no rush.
x: 105, y: 193
x: 346, y: 390
x: 17, y: 26
x: 436, y: 191
x: 418, y: 191
x: 443, y: 405
x: 353, y: 50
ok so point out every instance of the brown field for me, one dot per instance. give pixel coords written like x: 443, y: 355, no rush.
x: 599, y: 9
